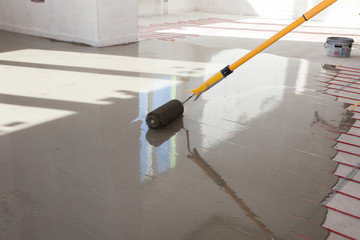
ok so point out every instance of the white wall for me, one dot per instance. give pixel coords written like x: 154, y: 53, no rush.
x: 156, y: 7
x: 150, y: 7
x: 118, y: 21
x: 93, y: 22
x: 290, y: 9
x: 341, y: 10
x: 225, y: 6
x: 63, y: 20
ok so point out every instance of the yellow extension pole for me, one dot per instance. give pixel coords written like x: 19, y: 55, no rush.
x: 229, y: 69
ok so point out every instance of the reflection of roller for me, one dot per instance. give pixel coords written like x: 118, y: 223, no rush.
x: 157, y: 137
x: 216, y: 177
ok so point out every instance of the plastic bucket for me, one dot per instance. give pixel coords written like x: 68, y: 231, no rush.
x: 339, y: 46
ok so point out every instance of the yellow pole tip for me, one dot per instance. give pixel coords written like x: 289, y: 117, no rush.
x: 195, y: 91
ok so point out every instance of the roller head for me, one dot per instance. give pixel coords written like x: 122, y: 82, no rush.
x: 165, y: 114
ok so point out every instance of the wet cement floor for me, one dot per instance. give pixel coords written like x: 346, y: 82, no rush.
x: 250, y: 159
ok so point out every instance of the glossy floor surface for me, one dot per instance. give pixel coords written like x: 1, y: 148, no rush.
x: 250, y: 159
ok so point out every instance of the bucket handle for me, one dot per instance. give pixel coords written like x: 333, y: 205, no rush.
x: 326, y: 45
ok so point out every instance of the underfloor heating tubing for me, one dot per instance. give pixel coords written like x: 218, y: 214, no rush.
x: 323, y: 203
x: 349, y: 125
x: 336, y: 84
x: 343, y: 68
x: 352, y: 71
x: 346, y: 70
x: 342, y: 193
x: 344, y: 142
x: 343, y: 90
x: 339, y: 211
x: 335, y: 78
x: 350, y: 134
x: 195, y: 23
x: 274, y: 31
x: 343, y: 163
x: 345, y: 84
x: 346, y: 133
x: 355, y: 111
x: 201, y: 22
x: 302, y: 236
x: 341, y: 74
x: 355, y: 117
x: 339, y: 96
x: 349, y: 68
x: 326, y: 228
x: 214, y: 20
x: 179, y: 25
x: 348, y: 152
x: 354, y: 80
x: 185, y: 23
x: 145, y: 34
x: 161, y: 39
x: 155, y: 35
x: 152, y: 31
x: 163, y: 36
x: 347, y: 143
x: 192, y: 23
x: 350, y: 179
x: 168, y: 37
x: 346, y: 80
x: 282, y: 24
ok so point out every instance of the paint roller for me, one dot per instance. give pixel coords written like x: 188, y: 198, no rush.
x: 173, y: 109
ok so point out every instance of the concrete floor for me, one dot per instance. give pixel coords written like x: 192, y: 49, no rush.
x: 253, y: 158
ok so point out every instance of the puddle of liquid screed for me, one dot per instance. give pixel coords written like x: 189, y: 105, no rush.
x: 245, y: 162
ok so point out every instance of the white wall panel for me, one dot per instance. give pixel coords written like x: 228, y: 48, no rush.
x: 118, y: 21
x: 93, y: 22
x: 63, y: 20
x: 343, y: 10
x: 156, y: 7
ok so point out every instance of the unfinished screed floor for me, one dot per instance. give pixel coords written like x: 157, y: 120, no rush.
x: 272, y: 152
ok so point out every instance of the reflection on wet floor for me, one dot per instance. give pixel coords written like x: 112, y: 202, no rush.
x: 195, y: 156
x: 271, y: 137
x: 250, y: 159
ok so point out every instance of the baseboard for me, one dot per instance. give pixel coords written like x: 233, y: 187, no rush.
x: 44, y: 34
